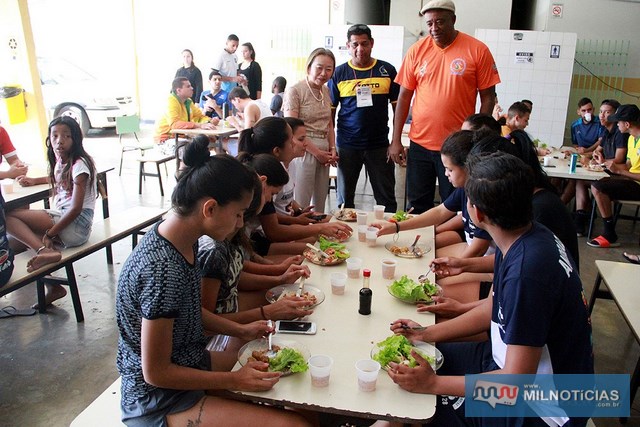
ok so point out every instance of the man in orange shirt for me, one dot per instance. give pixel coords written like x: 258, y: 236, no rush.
x: 446, y: 70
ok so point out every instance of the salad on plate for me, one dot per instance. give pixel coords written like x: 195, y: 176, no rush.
x: 397, y: 349
x: 408, y: 290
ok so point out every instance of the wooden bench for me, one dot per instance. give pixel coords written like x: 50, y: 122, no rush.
x: 103, y: 234
x: 621, y: 279
x: 104, y: 411
x: 157, y: 157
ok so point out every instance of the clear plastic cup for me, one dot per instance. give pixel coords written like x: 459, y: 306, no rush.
x: 320, y: 369
x: 7, y: 186
x: 388, y: 268
x: 362, y: 233
x: 361, y: 217
x: 372, y: 236
x: 353, y: 267
x: 338, y: 283
x: 367, y: 371
x: 378, y: 211
x: 546, y: 161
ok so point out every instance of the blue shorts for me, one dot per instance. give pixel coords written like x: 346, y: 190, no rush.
x: 77, y: 233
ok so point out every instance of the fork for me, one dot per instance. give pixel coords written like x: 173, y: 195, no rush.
x: 301, y: 287
x: 415, y: 242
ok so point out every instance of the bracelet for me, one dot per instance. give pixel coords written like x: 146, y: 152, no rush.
x: 397, y: 227
x: 264, y: 316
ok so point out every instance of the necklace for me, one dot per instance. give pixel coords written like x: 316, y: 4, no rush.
x: 321, y: 99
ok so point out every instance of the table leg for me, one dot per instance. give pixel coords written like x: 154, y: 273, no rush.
x: 140, y: 174
x: 633, y: 388
x: 102, y: 177
x: 160, y: 178
x: 594, y: 292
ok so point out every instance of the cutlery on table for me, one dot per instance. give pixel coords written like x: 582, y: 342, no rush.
x: 300, y: 287
x: 270, y: 352
x: 413, y: 247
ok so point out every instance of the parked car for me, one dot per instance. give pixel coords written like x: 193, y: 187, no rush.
x: 68, y: 90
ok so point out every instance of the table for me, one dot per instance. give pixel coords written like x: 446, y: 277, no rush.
x: 22, y: 196
x: 622, y: 280
x: 559, y: 168
x: 219, y: 133
x: 347, y: 336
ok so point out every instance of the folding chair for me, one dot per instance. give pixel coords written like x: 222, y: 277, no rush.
x: 126, y: 125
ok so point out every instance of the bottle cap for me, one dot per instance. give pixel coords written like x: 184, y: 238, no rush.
x: 366, y: 273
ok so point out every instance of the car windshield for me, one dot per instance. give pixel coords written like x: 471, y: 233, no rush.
x: 59, y: 71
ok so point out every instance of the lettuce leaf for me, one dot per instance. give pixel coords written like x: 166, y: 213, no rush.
x: 288, y: 359
x: 408, y: 289
x: 397, y: 348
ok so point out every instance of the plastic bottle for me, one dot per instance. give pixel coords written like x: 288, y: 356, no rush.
x: 573, y: 162
x: 365, y: 293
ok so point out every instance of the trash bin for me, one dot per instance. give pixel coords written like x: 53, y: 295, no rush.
x: 13, y: 108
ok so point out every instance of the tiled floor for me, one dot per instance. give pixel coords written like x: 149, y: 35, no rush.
x: 51, y: 367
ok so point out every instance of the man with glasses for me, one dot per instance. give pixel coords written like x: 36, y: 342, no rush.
x: 364, y: 87
x: 446, y: 70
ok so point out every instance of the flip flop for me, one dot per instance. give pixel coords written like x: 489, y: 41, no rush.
x: 11, y: 311
x: 634, y: 259
x: 602, y: 242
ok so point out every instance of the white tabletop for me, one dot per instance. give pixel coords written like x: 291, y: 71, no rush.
x: 559, y: 168
x: 348, y: 336
x: 622, y: 280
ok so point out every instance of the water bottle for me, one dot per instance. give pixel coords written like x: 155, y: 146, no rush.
x: 573, y: 161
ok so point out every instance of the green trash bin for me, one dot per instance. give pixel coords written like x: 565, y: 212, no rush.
x: 13, y: 107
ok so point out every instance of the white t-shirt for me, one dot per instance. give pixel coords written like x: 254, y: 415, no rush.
x: 62, y: 199
x: 284, y: 198
x: 227, y: 65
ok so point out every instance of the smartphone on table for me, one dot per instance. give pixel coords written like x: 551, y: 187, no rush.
x: 295, y: 327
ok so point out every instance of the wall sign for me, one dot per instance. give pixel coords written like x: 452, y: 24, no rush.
x: 555, y: 51
x: 524, y: 57
x: 556, y: 10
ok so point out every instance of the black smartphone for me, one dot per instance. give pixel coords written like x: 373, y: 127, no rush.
x: 295, y: 327
x: 319, y: 217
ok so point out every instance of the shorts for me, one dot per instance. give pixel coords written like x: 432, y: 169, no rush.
x: 77, y: 233
x: 618, y: 188
x: 153, y: 408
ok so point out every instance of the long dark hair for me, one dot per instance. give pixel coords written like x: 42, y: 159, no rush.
x: 264, y: 136
x: 220, y: 177
x: 266, y: 165
x: 529, y: 155
x: 76, y: 152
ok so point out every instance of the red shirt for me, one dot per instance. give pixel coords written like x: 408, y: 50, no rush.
x: 446, y: 84
x: 6, y: 147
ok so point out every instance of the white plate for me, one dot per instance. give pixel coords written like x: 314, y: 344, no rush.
x: 423, y: 248
x: 274, y: 293
x: 423, y: 348
x: 261, y: 344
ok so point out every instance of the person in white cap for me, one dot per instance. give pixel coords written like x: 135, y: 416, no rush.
x: 446, y: 71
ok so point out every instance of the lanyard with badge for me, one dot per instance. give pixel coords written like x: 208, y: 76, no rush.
x: 364, y: 94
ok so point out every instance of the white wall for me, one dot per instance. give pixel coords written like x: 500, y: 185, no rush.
x: 546, y: 81
x: 596, y: 19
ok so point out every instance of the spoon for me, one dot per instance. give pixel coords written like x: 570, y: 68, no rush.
x: 322, y: 253
x: 301, y: 287
x: 270, y: 352
x: 415, y: 242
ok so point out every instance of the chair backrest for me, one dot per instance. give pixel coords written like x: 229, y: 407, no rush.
x: 127, y: 124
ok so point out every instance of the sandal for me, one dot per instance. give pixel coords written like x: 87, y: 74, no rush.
x: 634, y: 259
x: 602, y: 242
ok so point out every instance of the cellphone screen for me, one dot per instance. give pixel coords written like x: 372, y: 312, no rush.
x: 295, y: 326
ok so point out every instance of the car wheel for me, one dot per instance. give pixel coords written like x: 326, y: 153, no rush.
x: 77, y: 114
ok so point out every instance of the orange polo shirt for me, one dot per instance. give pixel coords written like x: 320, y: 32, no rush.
x: 446, y: 83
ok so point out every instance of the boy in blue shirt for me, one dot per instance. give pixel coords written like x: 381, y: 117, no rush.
x: 586, y: 133
x: 212, y: 101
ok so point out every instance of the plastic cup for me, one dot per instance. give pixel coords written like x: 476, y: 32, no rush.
x: 361, y: 218
x: 378, y: 211
x: 353, y: 267
x: 7, y: 186
x: 362, y: 233
x: 338, y: 283
x: 388, y: 268
x: 320, y: 369
x: 372, y: 236
x: 367, y: 371
x: 546, y: 161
